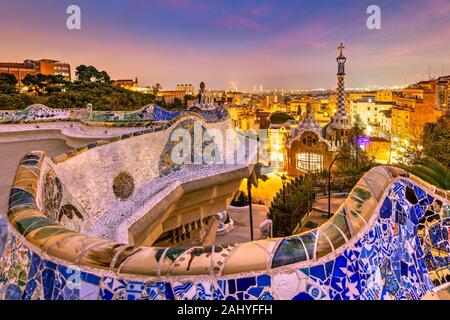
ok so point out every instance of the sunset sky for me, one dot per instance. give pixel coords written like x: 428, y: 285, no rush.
x: 279, y: 44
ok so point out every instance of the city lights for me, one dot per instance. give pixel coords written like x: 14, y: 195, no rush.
x: 226, y: 151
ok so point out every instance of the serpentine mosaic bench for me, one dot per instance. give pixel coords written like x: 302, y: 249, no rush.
x: 389, y: 240
x: 146, y: 116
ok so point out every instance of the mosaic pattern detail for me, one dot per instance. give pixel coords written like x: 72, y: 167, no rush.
x: 212, y: 116
x: 196, y: 148
x: 53, y: 192
x: 147, y: 115
x: 57, y: 204
x: 123, y: 185
x: 38, y: 113
x: 70, y: 212
x: 389, y: 241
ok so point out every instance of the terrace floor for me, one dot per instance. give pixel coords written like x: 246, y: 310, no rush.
x: 241, y: 230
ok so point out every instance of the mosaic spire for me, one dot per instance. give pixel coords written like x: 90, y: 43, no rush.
x: 341, y: 86
x: 340, y: 119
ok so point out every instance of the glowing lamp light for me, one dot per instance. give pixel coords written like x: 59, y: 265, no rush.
x: 363, y: 142
x: 277, y: 147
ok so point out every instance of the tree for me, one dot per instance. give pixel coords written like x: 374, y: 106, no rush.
x: 436, y: 140
x: 8, y: 83
x: 86, y: 74
x: 156, y: 88
x: 16, y: 101
x: 104, y: 77
x: 8, y: 79
x: 36, y: 83
x: 359, y: 128
x: 187, y: 98
x: 432, y: 171
x: 178, y: 104
x: 280, y: 118
x: 286, y: 214
x: 351, y: 158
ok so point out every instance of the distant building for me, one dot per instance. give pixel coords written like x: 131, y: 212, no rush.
x: 443, y: 92
x: 307, y: 150
x: 371, y: 111
x: 416, y: 106
x: 53, y: 67
x: 125, y: 83
x: 379, y: 149
x: 386, y: 123
x: 311, y: 148
x: 170, y: 95
x: 187, y: 88
x: 243, y: 118
x: 19, y: 70
x: 336, y: 131
x: 263, y: 119
x: 33, y: 67
x: 278, y: 136
x: 236, y: 98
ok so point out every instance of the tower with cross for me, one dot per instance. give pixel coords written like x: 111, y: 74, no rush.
x: 337, y: 129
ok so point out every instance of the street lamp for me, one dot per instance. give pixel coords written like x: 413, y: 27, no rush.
x: 253, y: 180
x: 283, y: 182
x: 329, y: 187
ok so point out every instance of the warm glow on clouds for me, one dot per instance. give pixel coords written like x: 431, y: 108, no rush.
x: 279, y: 44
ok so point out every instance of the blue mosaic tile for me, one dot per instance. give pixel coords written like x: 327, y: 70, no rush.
x: 244, y: 283
x: 405, y: 248
x: 386, y: 209
x: 263, y: 281
x: 318, y: 272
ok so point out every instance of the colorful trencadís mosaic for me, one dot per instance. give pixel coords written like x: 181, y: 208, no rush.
x: 164, y: 122
x: 390, y: 240
x: 146, y: 116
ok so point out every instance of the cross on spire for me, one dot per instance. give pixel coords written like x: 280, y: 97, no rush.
x: 341, y: 48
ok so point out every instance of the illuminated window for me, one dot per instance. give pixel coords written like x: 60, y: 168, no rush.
x: 277, y: 159
x: 311, y: 162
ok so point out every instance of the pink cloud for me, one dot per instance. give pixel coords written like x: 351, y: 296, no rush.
x: 185, y: 5
x: 241, y: 22
x: 261, y: 10
x: 311, y: 36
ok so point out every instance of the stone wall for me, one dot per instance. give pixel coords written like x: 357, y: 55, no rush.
x: 89, y: 176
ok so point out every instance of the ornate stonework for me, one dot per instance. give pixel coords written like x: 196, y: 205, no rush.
x: 53, y: 193
x: 340, y: 123
x: 123, y: 185
x: 70, y: 212
x: 307, y: 139
x: 199, y: 140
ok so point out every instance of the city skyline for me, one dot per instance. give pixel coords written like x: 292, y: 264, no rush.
x: 289, y: 45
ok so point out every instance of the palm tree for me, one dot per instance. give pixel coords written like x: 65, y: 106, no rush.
x: 156, y: 88
x: 431, y: 171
